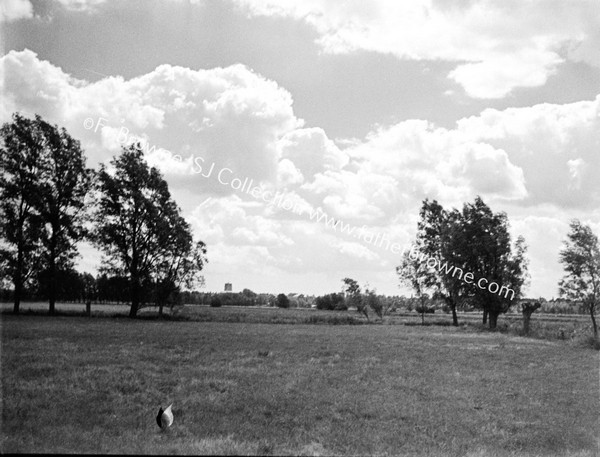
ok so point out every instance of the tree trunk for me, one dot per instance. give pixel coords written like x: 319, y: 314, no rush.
x: 451, y: 302
x: 160, y: 310
x: 592, y: 315
x: 135, y: 298
x: 528, y: 309
x: 17, y: 297
x: 134, y: 309
x: 485, y: 316
x: 526, y: 319
x: 134, y: 288
x: 454, y: 316
x: 493, y: 315
x: 52, y: 278
x: 18, y: 280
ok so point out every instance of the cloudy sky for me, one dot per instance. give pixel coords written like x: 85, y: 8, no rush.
x: 357, y: 109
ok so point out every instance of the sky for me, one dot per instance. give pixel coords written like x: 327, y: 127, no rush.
x: 263, y: 113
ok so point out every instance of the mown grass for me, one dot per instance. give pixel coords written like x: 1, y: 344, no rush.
x: 574, y: 329
x: 75, y: 384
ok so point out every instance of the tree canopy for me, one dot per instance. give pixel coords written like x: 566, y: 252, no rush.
x: 455, y: 252
x: 581, y: 260
x: 139, y: 228
x: 43, y: 186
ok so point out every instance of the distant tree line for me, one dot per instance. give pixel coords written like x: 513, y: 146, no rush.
x: 50, y: 201
x: 75, y: 287
x: 338, y: 302
x: 244, y: 298
x: 247, y: 298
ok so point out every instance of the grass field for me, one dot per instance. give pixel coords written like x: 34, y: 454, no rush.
x: 572, y: 328
x: 77, y: 384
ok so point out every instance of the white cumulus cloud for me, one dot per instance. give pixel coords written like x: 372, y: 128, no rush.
x: 498, y: 46
x: 532, y: 161
x: 12, y: 10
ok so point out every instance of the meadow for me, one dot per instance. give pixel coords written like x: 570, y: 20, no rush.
x: 247, y: 382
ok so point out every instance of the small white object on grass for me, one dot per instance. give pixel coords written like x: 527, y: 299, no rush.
x: 164, y: 419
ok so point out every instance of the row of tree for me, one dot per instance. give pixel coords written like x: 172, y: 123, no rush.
x: 50, y: 201
x: 75, y: 287
x: 477, y: 241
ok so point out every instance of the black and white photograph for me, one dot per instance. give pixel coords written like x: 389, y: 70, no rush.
x: 300, y: 227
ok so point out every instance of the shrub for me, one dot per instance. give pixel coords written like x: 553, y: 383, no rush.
x: 424, y: 309
x: 215, y: 301
x: 323, y: 302
x: 332, y: 320
x: 283, y: 301
x: 341, y: 305
x: 331, y: 302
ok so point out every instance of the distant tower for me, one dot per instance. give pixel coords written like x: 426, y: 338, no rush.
x: 228, y: 287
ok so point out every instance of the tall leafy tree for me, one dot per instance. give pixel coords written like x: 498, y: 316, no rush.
x: 439, y: 248
x: 581, y: 260
x: 440, y: 236
x: 20, y: 154
x: 139, y: 227
x: 454, y: 249
x: 43, y: 185
x: 490, y: 255
x: 63, y: 184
